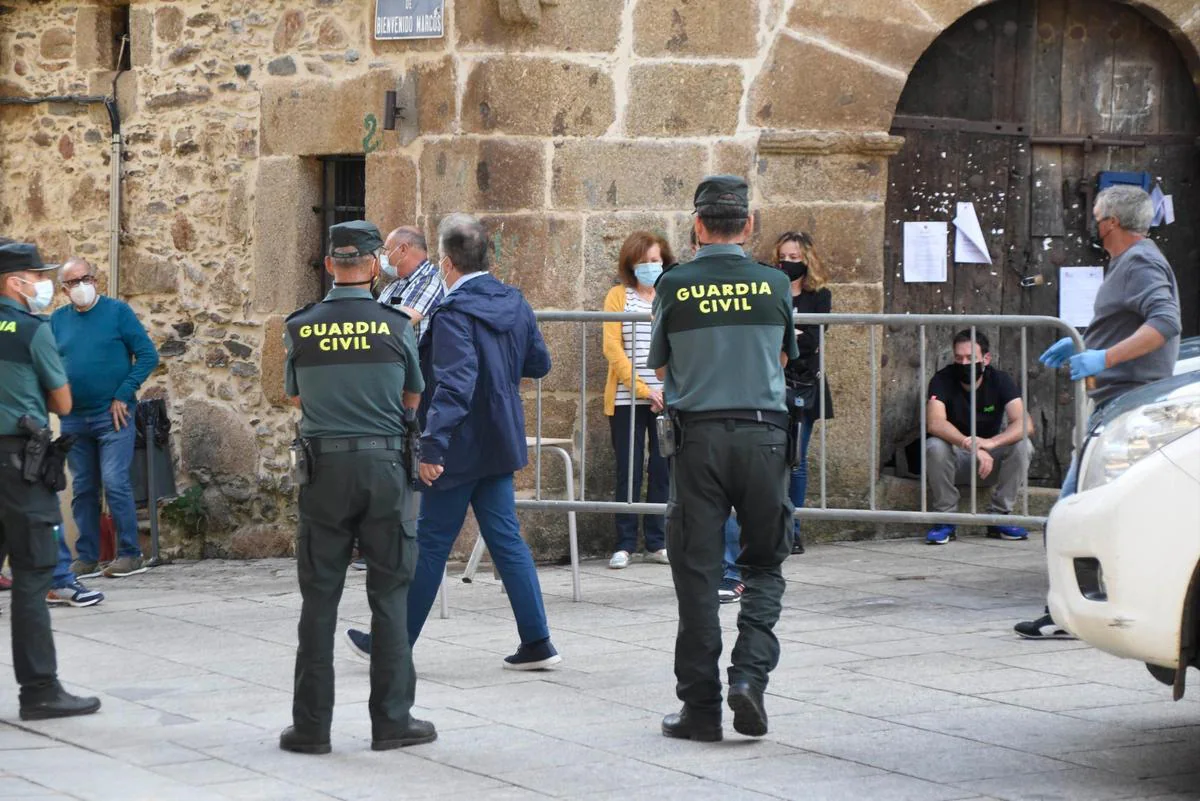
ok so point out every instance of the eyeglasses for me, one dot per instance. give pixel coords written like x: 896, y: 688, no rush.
x: 74, y: 282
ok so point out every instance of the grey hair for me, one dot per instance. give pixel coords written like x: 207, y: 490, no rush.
x: 62, y: 270
x: 463, y: 239
x: 1130, y: 206
x: 412, y: 236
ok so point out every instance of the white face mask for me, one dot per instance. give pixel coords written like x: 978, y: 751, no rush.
x: 43, y: 295
x: 83, y: 295
x: 386, y: 267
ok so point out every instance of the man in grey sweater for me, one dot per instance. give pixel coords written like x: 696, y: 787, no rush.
x: 1133, y: 338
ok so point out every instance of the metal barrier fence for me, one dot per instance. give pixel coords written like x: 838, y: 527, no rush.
x: 820, y: 511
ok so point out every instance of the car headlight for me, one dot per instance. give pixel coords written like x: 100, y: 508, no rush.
x: 1135, y: 435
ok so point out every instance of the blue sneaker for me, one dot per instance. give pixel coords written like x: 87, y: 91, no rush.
x: 533, y: 656
x: 360, y: 643
x: 1007, y: 533
x: 73, y: 594
x: 359, y: 564
x: 939, y: 535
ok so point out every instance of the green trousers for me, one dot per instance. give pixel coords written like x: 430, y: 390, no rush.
x: 358, y: 498
x: 722, y: 464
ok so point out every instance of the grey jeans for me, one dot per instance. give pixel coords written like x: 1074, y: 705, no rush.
x: 949, y: 468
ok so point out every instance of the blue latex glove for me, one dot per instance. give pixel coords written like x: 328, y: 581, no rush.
x: 1058, y: 353
x: 1087, y: 363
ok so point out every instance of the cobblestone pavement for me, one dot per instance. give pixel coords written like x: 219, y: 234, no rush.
x: 900, y: 679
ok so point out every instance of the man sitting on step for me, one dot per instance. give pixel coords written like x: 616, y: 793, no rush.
x: 1001, y: 447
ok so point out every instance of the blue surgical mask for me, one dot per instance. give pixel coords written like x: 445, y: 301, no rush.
x: 386, y: 267
x: 648, y: 273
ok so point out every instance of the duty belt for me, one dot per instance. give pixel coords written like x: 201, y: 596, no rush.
x: 777, y: 419
x: 351, y: 444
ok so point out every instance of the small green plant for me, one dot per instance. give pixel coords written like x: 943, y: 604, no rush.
x: 188, y: 511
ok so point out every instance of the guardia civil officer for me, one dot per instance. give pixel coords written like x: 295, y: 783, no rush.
x: 721, y: 338
x: 352, y: 369
x: 32, y: 383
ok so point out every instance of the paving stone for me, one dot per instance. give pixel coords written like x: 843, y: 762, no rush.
x: 933, y: 757
x: 1083, y: 784
x: 886, y: 689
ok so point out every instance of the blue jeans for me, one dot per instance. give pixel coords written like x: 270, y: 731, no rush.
x: 101, y: 458
x: 442, y: 514
x: 796, y: 491
x: 1071, y: 480
x: 658, y: 477
x: 63, y: 577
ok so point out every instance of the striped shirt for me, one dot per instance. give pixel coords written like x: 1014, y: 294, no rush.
x: 423, y: 291
x: 637, y: 337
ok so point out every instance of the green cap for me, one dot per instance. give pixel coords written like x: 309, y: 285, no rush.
x: 358, y: 234
x: 17, y: 257
x: 723, y: 196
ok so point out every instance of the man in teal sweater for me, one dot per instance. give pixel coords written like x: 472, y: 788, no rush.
x: 108, y: 355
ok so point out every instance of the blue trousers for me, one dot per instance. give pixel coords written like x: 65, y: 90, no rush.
x: 101, y: 459
x: 442, y: 514
x: 63, y: 577
x: 797, y: 490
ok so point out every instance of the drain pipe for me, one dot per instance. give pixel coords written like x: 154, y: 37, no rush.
x: 114, y: 191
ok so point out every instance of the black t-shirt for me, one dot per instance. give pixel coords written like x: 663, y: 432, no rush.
x: 991, y: 397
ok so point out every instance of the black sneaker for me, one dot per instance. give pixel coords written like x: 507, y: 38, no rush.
x: 533, y: 656
x: 730, y: 591
x: 1044, y: 628
x: 360, y: 643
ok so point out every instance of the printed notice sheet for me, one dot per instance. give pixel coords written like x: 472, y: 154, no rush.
x: 925, y: 252
x: 1077, y: 288
x: 969, y: 245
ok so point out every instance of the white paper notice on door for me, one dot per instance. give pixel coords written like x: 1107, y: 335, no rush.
x: 969, y: 245
x: 1077, y: 288
x: 925, y: 252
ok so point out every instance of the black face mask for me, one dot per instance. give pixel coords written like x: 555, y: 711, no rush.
x: 962, y: 372
x: 795, y: 270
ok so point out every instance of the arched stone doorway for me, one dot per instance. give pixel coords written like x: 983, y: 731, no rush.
x: 1017, y: 107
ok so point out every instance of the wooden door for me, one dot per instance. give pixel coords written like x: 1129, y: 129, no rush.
x: 1017, y: 108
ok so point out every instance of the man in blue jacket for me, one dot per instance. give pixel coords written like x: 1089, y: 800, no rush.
x: 480, y: 343
x: 108, y: 355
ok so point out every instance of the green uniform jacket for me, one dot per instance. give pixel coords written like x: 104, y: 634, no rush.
x: 721, y: 322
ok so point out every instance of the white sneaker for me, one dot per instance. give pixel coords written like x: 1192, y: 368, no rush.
x: 658, y: 557
x: 619, y: 561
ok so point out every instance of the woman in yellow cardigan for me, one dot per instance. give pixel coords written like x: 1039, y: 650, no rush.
x: 638, y: 267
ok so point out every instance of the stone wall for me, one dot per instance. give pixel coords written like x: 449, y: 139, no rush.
x: 565, y: 124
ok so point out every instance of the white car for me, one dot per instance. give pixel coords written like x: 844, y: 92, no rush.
x: 1124, y: 551
x: 1189, y: 356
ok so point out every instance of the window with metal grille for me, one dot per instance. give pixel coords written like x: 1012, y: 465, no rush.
x: 343, y: 198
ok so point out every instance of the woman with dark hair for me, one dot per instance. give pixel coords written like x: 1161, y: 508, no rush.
x: 633, y: 390
x: 796, y: 256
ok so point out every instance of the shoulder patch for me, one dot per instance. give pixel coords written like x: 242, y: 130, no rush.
x: 300, y: 311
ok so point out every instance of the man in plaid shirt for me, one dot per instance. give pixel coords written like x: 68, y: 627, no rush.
x: 416, y: 286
